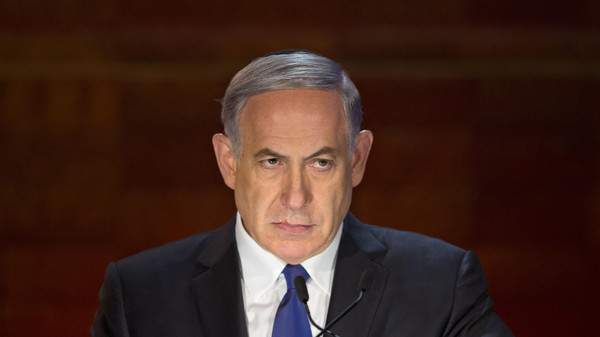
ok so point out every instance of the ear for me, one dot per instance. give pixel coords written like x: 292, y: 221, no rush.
x: 362, y: 147
x: 225, y: 158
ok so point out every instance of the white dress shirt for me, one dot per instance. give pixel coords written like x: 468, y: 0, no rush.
x: 264, y: 285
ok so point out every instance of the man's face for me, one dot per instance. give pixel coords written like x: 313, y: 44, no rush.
x: 293, y: 181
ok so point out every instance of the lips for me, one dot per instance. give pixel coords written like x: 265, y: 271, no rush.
x: 290, y: 228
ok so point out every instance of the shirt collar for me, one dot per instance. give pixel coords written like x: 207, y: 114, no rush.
x: 261, y: 268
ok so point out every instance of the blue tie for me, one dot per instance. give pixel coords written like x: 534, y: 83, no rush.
x: 290, y: 319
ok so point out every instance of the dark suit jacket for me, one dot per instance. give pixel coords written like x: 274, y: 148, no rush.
x: 421, y: 287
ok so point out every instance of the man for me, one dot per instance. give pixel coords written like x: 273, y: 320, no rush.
x: 292, y: 152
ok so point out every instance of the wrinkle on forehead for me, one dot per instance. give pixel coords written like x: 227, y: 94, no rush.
x: 288, y: 116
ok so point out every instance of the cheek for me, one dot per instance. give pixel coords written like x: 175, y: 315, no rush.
x: 334, y: 198
x: 328, y: 200
x: 255, y: 196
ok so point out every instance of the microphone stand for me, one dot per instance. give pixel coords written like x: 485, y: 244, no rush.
x: 300, y: 284
x: 326, y: 332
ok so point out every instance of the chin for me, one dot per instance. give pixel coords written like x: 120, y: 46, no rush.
x: 294, y: 255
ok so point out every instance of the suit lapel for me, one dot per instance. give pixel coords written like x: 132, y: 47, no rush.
x: 357, y: 252
x: 217, y: 286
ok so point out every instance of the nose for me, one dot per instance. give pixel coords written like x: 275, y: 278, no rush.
x: 296, y: 193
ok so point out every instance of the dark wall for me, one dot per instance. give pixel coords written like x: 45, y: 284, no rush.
x: 485, y: 115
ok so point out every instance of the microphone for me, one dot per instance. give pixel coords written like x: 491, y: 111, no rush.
x: 363, y: 285
x: 365, y: 280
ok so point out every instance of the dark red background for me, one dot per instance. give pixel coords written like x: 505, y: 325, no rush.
x: 485, y: 115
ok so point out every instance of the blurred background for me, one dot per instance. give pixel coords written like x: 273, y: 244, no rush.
x: 485, y: 115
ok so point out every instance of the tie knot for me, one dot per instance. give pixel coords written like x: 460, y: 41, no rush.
x: 291, y: 271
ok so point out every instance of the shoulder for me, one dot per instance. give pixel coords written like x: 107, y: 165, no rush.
x: 405, y: 241
x: 417, y: 261
x: 177, y: 257
x: 395, y: 247
x: 171, y: 252
x: 369, y: 236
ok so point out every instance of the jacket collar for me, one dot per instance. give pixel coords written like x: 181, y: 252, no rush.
x: 358, y: 252
x: 217, y: 286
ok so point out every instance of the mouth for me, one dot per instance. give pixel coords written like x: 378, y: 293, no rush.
x: 292, y: 228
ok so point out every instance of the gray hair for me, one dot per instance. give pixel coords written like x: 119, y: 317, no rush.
x: 295, y: 69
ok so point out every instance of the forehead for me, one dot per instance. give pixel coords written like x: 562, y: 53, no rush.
x: 299, y: 114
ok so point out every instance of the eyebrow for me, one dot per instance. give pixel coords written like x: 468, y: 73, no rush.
x: 324, y: 150
x: 266, y: 152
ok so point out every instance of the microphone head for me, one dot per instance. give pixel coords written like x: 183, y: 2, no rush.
x: 301, y: 291
x: 365, y: 280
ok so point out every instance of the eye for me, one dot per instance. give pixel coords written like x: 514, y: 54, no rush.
x: 271, y: 162
x: 322, y: 163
